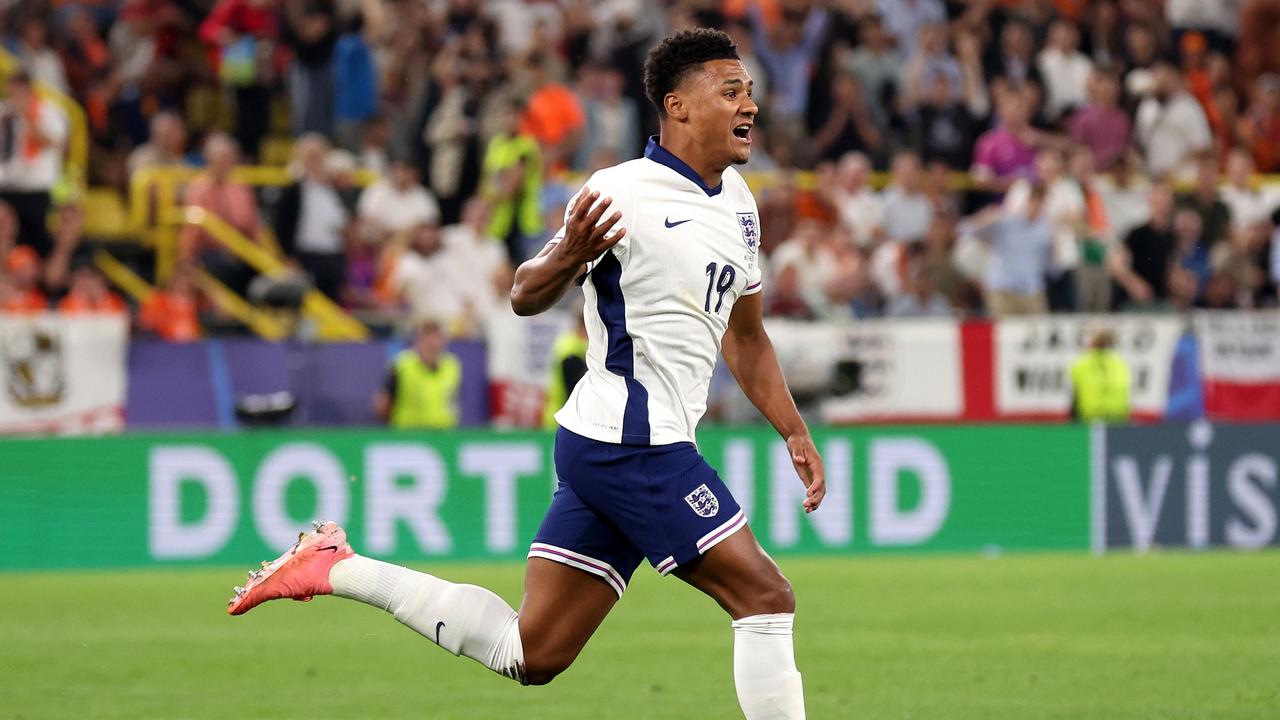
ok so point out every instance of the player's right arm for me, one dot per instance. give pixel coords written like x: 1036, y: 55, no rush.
x: 542, y: 280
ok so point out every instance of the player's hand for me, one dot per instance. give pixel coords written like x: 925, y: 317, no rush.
x: 586, y: 236
x: 804, y: 455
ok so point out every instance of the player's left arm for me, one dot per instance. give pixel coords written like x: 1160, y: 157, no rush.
x: 750, y: 357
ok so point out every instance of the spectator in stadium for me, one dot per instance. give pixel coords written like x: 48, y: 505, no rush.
x: 877, y: 66
x: 421, y: 386
x: 312, y: 221
x: 1065, y: 208
x: 422, y: 278
x: 931, y: 62
x: 857, y: 205
x: 375, y: 139
x: 789, y: 51
x: 1243, y: 259
x: 1141, y: 263
x: 566, y: 366
x: 1021, y: 243
x: 512, y: 184
x: 811, y: 254
x: 218, y: 193
x: 1171, y: 126
x: 89, y: 293
x: 1066, y: 70
x: 1093, y: 282
x: 942, y: 128
x: 471, y: 252
x: 920, y: 297
x: 310, y: 31
x: 1101, y: 124
x: 1206, y: 199
x: 903, y: 20
x: 173, y: 312
x: 1190, y: 253
x: 848, y: 127
x: 553, y: 116
x: 244, y: 41
x: 1100, y: 382
x: 1007, y: 151
x: 37, y: 57
x: 1247, y: 202
x: 396, y: 203
x: 1104, y: 34
x: 20, y: 292
x: 34, y: 136
x: 1259, y: 38
x: 785, y: 298
x: 1014, y: 59
x: 1141, y: 53
x: 612, y: 119
x: 907, y: 210
x: 166, y: 147
x: 1260, y: 130
x: 355, y: 84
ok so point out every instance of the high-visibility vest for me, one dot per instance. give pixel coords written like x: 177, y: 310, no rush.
x: 426, y: 397
x: 566, y: 346
x: 1102, y: 383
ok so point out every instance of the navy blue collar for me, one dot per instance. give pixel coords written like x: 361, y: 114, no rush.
x: 663, y: 156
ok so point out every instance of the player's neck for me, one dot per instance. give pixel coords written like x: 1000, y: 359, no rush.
x: 688, y: 151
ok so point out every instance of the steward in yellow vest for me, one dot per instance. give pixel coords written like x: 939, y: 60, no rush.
x: 567, y: 366
x: 422, y: 384
x: 1100, y: 382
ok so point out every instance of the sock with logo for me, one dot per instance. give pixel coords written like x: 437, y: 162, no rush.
x: 764, y: 668
x: 463, y: 619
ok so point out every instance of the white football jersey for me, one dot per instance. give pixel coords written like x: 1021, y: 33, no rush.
x: 657, y: 304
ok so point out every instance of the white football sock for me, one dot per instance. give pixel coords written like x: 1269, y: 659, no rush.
x: 764, y: 668
x: 463, y: 619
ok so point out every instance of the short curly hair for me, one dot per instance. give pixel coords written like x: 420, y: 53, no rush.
x: 679, y: 53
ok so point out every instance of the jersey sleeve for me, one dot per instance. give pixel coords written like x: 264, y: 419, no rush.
x: 608, y: 185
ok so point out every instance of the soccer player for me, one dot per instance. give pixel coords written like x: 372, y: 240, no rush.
x: 670, y: 277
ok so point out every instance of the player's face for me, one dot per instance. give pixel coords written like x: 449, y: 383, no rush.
x: 723, y: 112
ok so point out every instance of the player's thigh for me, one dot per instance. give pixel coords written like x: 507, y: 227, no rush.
x: 561, y: 610
x: 739, y: 575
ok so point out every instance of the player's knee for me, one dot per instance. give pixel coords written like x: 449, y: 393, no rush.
x: 776, y: 596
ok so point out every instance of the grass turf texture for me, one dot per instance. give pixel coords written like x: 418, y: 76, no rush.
x: 954, y: 638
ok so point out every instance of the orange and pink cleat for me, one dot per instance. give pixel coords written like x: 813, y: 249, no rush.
x: 301, y: 573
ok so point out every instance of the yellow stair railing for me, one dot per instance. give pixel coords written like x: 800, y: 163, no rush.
x: 225, y: 299
x: 333, y: 323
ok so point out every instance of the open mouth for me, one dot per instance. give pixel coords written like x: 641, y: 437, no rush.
x: 743, y: 132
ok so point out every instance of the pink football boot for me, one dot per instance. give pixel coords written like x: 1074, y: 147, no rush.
x: 301, y: 573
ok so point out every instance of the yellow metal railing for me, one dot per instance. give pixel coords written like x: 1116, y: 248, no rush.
x: 220, y: 295
x: 333, y: 323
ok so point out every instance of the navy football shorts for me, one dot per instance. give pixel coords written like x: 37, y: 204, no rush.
x: 616, y: 505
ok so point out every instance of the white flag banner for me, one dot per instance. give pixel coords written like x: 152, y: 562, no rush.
x: 1034, y: 356
x: 62, y: 374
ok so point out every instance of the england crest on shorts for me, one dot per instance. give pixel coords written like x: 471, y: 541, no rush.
x: 750, y: 230
x: 703, y: 501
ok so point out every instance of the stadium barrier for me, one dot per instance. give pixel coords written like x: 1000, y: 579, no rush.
x: 217, y: 499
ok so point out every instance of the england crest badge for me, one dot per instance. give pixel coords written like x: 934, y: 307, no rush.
x: 703, y: 501
x: 750, y: 230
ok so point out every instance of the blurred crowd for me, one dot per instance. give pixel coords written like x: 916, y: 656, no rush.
x: 911, y: 158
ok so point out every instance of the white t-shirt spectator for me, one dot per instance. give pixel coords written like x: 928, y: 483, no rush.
x: 1066, y: 79
x: 1064, y: 207
x: 478, y: 259
x: 32, y: 172
x: 1126, y: 206
x: 321, y: 219
x: 815, y: 266
x: 429, y: 285
x: 906, y: 215
x: 861, y: 213
x: 1220, y: 15
x: 1248, y: 206
x: 392, y: 210
x: 1171, y: 134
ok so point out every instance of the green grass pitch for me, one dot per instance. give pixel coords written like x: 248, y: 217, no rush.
x: 949, y: 638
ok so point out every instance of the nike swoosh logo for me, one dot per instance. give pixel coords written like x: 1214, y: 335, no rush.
x: 670, y: 224
x: 333, y: 548
x: 438, y: 626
